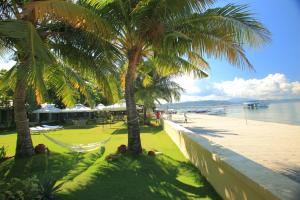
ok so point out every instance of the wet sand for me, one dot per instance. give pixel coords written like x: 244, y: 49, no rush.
x: 273, y: 145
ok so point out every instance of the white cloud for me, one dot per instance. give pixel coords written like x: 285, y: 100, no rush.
x: 189, y: 84
x: 185, y: 98
x: 273, y: 86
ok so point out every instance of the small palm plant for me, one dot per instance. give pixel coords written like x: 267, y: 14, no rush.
x: 49, y: 188
x: 153, y: 87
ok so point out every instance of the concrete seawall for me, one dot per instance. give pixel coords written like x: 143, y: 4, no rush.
x: 232, y: 175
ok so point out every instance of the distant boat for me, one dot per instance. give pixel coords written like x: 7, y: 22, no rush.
x: 255, y: 105
x: 198, y: 111
x: 201, y: 111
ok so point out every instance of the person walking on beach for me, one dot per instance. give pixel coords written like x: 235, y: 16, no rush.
x: 157, y: 114
x: 185, y: 117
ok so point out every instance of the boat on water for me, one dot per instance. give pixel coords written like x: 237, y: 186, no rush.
x: 198, y: 111
x: 255, y: 105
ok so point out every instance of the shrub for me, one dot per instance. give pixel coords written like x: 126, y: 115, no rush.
x: 122, y: 149
x: 18, y: 189
x: 28, y: 189
x: 151, y: 153
x: 40, y: 149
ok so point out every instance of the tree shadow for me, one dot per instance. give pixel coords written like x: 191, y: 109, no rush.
x: 144, y: 177
x: 144, y: 129
x: 211, y: 132
x: 292, y: 172
x: 10, y: 132
x: 57, y: 166
x: 81, y: 127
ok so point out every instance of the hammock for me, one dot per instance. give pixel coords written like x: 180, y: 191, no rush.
x: 80, y: 148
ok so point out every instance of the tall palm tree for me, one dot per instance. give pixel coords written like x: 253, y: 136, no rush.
x: 176, y: 33
x: 22, y: 36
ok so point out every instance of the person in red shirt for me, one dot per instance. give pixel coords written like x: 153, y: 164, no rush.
x: 157, y: 114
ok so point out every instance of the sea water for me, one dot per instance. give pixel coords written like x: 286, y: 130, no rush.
x: 286, y: 112
x: 278, y: 112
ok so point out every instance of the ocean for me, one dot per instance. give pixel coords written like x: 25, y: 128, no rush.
x: 283, y: 111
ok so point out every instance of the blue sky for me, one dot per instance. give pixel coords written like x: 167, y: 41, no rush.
x: 281, y: 55
x: 280, y: 59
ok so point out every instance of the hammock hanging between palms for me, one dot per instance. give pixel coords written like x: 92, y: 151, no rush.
x: 80, y: 148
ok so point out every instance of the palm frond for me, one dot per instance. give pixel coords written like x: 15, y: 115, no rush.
x: 73, y: 14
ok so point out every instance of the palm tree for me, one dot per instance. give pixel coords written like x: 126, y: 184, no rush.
x: 21, y: 35
x: 176, y: 33
x: 152, y: 88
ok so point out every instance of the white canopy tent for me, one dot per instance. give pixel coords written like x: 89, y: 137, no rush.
x: 99, y: 107
x: 48, y: 108
x: 47, y: 111
x: 77, y: 109
x: 121, y: 106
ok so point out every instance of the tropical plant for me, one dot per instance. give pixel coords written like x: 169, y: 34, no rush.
x: 30, y: 188
x: 19, y: 189
x: 152, y: 88
x: 177, y: 34
x: 48, y: 189
x: 26, y: 34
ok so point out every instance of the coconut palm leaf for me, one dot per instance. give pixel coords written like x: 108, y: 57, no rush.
x: 73, y: 14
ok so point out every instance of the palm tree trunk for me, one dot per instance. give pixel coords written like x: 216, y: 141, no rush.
x: 134, y: 140
x: 24, y: 143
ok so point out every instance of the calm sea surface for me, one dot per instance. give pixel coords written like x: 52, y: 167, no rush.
x: 283, y: 112
x: 286, y: 112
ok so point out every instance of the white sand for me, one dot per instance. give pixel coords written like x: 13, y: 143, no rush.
x: 275, y: 146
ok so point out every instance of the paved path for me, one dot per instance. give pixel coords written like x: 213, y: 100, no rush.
x: 275, y: 146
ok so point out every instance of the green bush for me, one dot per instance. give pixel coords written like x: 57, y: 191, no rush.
x: 18, y: 189
x: 28, y: 189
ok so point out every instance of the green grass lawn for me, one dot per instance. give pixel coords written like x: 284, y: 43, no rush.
x: 88, y: 176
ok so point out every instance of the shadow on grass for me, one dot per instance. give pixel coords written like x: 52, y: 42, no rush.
x: 81, y: 127
x: 144, y: 129
x: 141, y: 177
x: 7, y: 132
x: 144, y: 177
x: 58, y: 166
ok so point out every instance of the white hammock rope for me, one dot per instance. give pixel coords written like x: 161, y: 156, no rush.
x: 80, y: 148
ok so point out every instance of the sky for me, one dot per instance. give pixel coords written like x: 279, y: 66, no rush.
x: 277, y: 64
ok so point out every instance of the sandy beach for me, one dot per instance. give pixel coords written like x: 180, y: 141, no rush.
x: 273, y: 145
